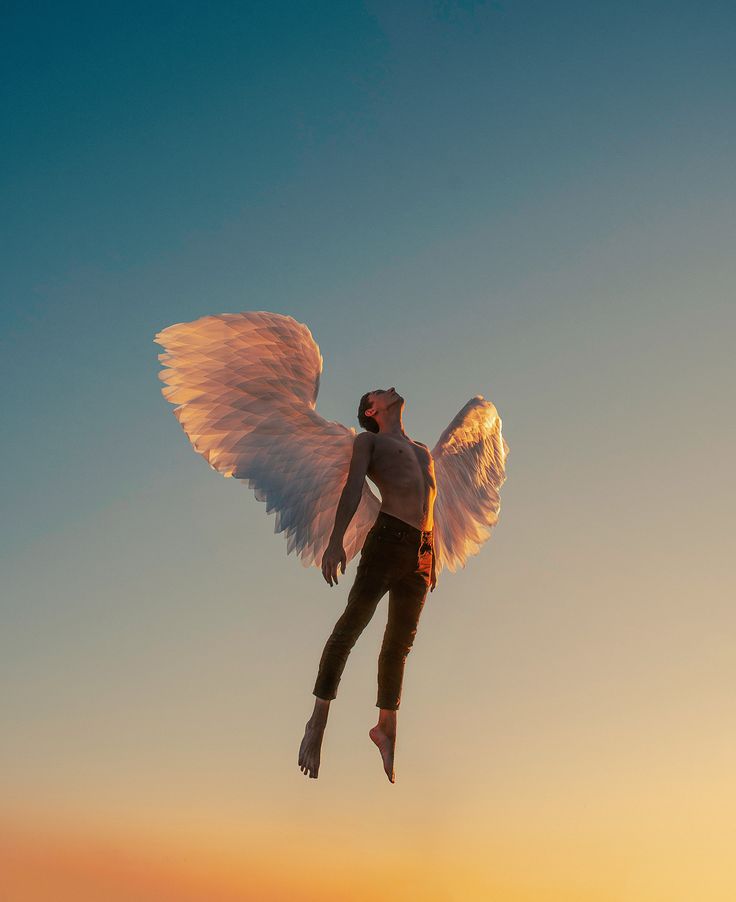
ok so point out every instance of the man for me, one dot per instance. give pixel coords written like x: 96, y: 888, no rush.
x: 397, y: 556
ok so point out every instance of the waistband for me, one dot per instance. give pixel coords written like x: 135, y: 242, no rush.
x: 407, y: 528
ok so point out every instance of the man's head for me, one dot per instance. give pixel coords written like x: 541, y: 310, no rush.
x: 374, y: 403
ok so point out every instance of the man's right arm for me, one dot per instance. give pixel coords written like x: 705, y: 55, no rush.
x: 348, y: 505
x: 353, y: 488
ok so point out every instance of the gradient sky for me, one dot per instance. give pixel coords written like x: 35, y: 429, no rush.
x: 530, y: 201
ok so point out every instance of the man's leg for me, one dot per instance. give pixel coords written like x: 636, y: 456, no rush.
x: 369, y: 587
x: 406, y: 601
x: 405, y: 604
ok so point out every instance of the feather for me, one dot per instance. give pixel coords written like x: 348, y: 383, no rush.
x: 245, y: 387
x: 470, y: 468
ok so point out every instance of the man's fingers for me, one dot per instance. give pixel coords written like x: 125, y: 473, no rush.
x: 330, y: 569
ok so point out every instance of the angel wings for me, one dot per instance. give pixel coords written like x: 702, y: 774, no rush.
x: 245, y: 388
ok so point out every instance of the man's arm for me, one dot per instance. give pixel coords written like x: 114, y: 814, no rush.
x: 347, y: 505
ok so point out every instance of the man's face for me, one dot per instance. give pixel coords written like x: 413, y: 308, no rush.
x: 383, y: 398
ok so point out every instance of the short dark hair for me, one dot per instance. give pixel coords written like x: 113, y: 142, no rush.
x: 366, y: 422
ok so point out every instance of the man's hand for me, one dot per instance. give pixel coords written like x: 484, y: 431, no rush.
x: 333, y: 558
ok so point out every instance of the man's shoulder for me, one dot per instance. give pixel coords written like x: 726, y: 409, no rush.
x: 427, y: 449
x: 364, y: 440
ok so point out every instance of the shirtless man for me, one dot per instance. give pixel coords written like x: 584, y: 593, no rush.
x: 397, y: 556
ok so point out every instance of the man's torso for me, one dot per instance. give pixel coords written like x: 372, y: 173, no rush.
x: 403, y: 470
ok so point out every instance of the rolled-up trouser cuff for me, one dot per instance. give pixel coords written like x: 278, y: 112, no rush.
x: 324, y: 694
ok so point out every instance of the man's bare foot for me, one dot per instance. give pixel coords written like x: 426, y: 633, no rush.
x: 309, y: 750
x: 384, y: 736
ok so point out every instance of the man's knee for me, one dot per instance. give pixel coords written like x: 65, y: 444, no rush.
x: 397, y: 646
x: 344, y: 637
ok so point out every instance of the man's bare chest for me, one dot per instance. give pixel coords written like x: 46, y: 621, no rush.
x: 395, y: 460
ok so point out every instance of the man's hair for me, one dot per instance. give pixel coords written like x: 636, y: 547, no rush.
x: 366, y: 422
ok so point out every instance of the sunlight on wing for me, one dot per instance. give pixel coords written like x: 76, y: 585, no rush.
x: 470, y: 467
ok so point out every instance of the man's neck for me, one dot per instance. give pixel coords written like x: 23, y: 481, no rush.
x: 394, y: 428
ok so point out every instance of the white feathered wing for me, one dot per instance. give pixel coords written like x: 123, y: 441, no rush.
x: 245, y: 386
x: 470, y: 468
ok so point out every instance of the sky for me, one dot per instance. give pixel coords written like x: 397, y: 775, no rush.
x: 529, y: 201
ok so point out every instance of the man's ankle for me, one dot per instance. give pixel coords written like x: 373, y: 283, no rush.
x: 321, y: 710
x: 387, y: 720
